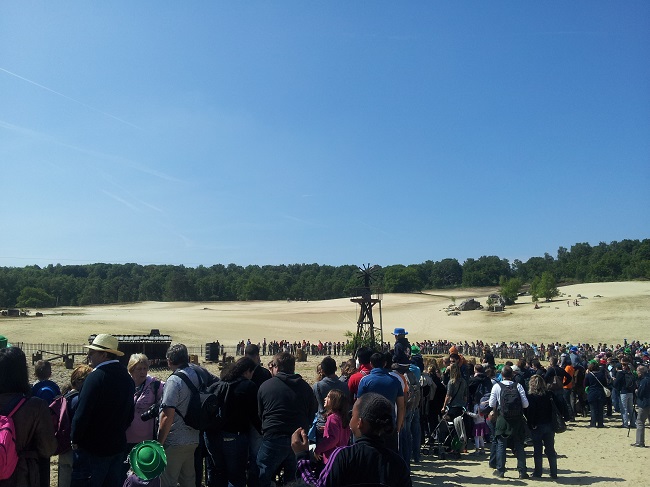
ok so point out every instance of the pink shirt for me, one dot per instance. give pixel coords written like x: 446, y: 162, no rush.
x: 143, y: 400
x: 334, y: 436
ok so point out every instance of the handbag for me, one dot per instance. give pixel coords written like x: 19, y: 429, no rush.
x: 557, y: 421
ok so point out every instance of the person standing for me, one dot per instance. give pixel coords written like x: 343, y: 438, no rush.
x: 402, y: 350
x: 643, y: 405
x: 321, y: 388
x: 32, y: 419
x: 148, y: 393
x: 285, y: 402
x: 260, y: 375
x: 104, y: 413
x: 539, y: 417
x: 228, y: 447
x: 363, y: 369
x: 179, y: 440
x: 379, y: 380
x: 624, y: 386
x: 77, y: 379
x: 507, y: 411
x: 594, y: 384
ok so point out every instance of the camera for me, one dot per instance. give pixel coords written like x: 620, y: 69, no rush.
x: 150, y: 413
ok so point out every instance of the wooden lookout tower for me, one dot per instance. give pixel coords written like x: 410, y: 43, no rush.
x: 367, y: 331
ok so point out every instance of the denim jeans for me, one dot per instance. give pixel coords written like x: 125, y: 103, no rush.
x: 596, y: 408
x: 566, y: 394
x: 627, y: 408
x: 616, y: 400
x: 641, y: 417
x: 229, y: 453
x: 416, y: 436
x: 501, y: 454
x: 254, y: 444
x: 543, y: 436
x: 274, y: 453
x: 90, y: 470
x: 493, y: 445
x: 405, y: 440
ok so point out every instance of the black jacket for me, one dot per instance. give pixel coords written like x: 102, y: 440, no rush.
x: 285, y: 403
x: 553, y: 371
x: 367, y: 462
x: 241, y: 410
x: 105, y: 410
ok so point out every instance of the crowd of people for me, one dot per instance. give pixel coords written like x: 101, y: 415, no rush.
x: 364, y: 420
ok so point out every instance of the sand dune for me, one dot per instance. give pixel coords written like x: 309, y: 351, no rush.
x: 621, y: 312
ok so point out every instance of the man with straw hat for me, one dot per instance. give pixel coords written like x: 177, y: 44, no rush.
x: 103, y: 415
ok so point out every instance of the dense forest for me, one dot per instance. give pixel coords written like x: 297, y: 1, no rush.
x: 70, y: 285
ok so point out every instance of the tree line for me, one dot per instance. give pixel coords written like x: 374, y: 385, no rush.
x: 72, y: 285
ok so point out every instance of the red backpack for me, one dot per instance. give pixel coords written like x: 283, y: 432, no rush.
x: 8, y: 450
x: 62, y: 423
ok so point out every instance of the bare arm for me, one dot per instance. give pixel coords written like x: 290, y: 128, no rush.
x: 166, y: 420
x: 401, y: 409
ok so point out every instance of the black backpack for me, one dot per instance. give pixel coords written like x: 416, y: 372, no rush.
x: 223, y: 391
x: 510, y: 401
x: 484, y: 387
x: 202, y: 406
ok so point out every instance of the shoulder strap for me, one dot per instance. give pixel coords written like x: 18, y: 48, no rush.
x: 12, y: 406
x: 187, y: 381
x: 156, y: 388
x: 20, y: 403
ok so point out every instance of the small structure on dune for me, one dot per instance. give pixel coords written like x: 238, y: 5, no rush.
x: 469, y: 305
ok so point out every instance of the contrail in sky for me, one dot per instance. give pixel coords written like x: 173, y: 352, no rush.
x: 71, y: 99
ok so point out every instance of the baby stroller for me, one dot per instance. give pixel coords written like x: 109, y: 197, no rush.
x: 449, y: 437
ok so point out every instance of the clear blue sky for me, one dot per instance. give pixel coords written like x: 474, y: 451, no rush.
x: 320, y: 132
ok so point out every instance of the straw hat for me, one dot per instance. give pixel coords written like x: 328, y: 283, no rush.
x: 148, y: 459
x: 105, y: 343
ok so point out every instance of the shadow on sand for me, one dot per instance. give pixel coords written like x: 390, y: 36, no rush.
x: 462, y: 472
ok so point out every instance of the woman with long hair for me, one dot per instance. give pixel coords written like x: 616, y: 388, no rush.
x: 228, y: 447
x: 32, y: 419
x: 456, y: 398
x: 539, y: 416
x: 337, y: 425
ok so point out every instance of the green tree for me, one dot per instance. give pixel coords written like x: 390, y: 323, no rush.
x: 510, y: 289
x: 546, y: 287
x: 32, y: 297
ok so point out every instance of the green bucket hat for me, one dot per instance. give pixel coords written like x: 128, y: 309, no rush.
x: 4, y: 343
x: 148, y: 459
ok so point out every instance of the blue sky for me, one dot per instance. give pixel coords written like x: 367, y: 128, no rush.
x: 320, y: 132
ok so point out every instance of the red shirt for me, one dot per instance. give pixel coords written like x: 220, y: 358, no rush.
x: 353, y: 381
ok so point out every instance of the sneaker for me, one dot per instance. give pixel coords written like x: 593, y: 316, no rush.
x: 498, y: 474
x: 523, y: 475
x: 637, y: 445
x: 553, y: 475
x: 536, y: 475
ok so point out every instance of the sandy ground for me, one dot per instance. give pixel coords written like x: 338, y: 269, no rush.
x: 621, y: 312
x: 587, y: 456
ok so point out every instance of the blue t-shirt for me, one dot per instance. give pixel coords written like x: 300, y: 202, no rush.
x: 46, y: 390
x: 381, y: 382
